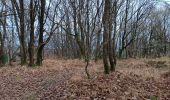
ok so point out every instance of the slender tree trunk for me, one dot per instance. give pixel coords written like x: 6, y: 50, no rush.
x: 125, y: 30
x: 41, y: 31
x: 87, y: 56
x: 112, y: 49
x: 31, y: 43
x: 22, y: 34
x: 97, y: 46
x: 98, y: 34
x: 3, y: 35
x: 108, y: 38
x: 1, y: 49
x: 111, y: 60
x: 107, y: 23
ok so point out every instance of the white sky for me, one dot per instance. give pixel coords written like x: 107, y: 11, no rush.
x: 165, y: 0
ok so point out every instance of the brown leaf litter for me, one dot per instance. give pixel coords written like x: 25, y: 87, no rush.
x: 66, y: 80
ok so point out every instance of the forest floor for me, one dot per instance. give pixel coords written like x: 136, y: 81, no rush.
x: 134, y: 79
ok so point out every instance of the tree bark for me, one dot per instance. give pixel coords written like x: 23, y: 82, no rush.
x: 112, y: 55
x: 106, y: 35
x: 22, y: 34
x: 41, y: 31
x: 31, y: 43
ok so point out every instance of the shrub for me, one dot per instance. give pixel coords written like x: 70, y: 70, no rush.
x: 4, y: 59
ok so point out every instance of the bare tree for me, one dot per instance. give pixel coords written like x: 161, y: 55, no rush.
x: 32, y: 9
x: 21, y: 31
x: 41, y: 31
x: 107, y: 37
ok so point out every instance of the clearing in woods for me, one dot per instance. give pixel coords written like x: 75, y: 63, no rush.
x: 134, y: 79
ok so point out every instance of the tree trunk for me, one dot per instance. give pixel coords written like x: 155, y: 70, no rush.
x: 112, y: 56
x: 97, y: 51
x: 124, y: 37
x: 22, y: 34
x: 31, y: 43
x: 1, y: 51
x: 107, y: 35
x: 41, y: 31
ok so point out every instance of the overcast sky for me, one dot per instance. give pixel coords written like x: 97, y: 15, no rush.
x: 166, y: 0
